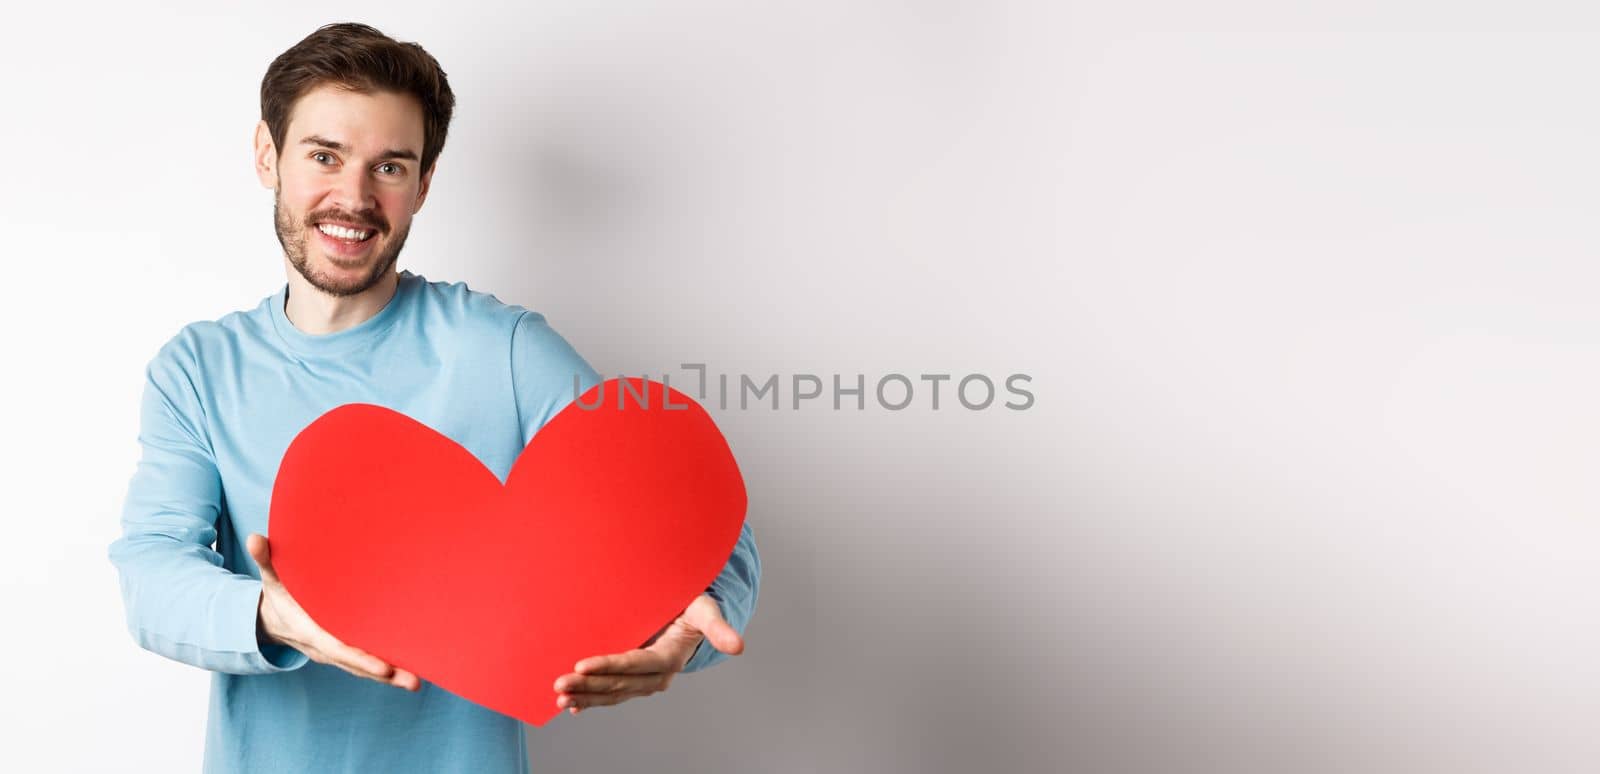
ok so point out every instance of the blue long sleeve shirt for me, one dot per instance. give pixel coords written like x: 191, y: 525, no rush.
x: 222, y: 400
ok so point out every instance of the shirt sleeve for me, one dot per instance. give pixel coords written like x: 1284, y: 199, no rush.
x: 179, y: 600
x: 546, y: 372
x: 546, y: 375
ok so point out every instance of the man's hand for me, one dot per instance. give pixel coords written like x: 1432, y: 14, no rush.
x: 281, y: 619
x: 605, y: 680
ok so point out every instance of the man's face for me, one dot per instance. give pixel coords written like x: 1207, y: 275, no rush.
x: 347, y: 181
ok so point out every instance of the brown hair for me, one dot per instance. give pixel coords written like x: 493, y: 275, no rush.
x: 361, y: 59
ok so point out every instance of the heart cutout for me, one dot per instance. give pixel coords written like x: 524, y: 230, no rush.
x: 398, y: 541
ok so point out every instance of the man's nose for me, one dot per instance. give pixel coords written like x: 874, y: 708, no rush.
x: 353, y: 190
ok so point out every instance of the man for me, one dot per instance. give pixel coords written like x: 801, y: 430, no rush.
x: 352, y: 123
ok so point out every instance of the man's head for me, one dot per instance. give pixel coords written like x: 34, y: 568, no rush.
x: 351, y: 124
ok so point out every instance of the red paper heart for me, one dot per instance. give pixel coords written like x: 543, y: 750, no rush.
x: 400, y: 542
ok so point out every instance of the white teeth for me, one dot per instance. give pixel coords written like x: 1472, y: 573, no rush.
x: 342, y: 232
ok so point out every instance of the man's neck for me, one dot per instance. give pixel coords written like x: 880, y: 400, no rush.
x: 317, y: 313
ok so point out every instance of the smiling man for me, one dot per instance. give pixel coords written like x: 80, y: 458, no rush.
x: 352, y: 123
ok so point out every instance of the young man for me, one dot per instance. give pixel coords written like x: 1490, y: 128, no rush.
x: 351, y: 124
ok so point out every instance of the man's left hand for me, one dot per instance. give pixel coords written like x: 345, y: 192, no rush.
x: 604, y: 680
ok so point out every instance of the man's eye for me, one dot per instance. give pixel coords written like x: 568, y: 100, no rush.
x: 319, y: 155
x: 394, y: 169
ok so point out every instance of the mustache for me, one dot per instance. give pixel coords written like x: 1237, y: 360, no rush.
x: 372, y: 221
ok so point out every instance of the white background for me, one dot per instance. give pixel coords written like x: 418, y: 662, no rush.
x: 1307, y: 295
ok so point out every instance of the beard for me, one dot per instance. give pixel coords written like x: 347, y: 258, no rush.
x: 294, y: 235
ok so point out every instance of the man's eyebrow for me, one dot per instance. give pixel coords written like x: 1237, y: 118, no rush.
x: 320, y: 141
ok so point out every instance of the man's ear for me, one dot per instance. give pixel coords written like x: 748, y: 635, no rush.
x: 422, y: 191
x: 266, y: 156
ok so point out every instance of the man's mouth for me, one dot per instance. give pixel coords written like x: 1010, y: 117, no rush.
x: 346, y: 233
x: 343, y: 240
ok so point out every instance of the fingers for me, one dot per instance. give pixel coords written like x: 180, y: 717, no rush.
x: 634, y: 662
x: 610, y: 683
x: 399, y: 678
x: 575, y: 703
x: 329, y: 650
x: 355, y: 662
x: 407, y: 681
x: 725, y: 639
x: 358, y: 659
x: 576, y: 692
x: 363, y: 664
x: 261, y: 551
x: 386, y: 674
x: 705, y: 614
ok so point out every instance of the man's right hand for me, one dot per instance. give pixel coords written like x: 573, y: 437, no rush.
x: 282, y: 620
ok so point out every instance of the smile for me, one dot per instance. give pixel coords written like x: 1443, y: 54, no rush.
x: 344, y: 241
x: 346, y: 234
